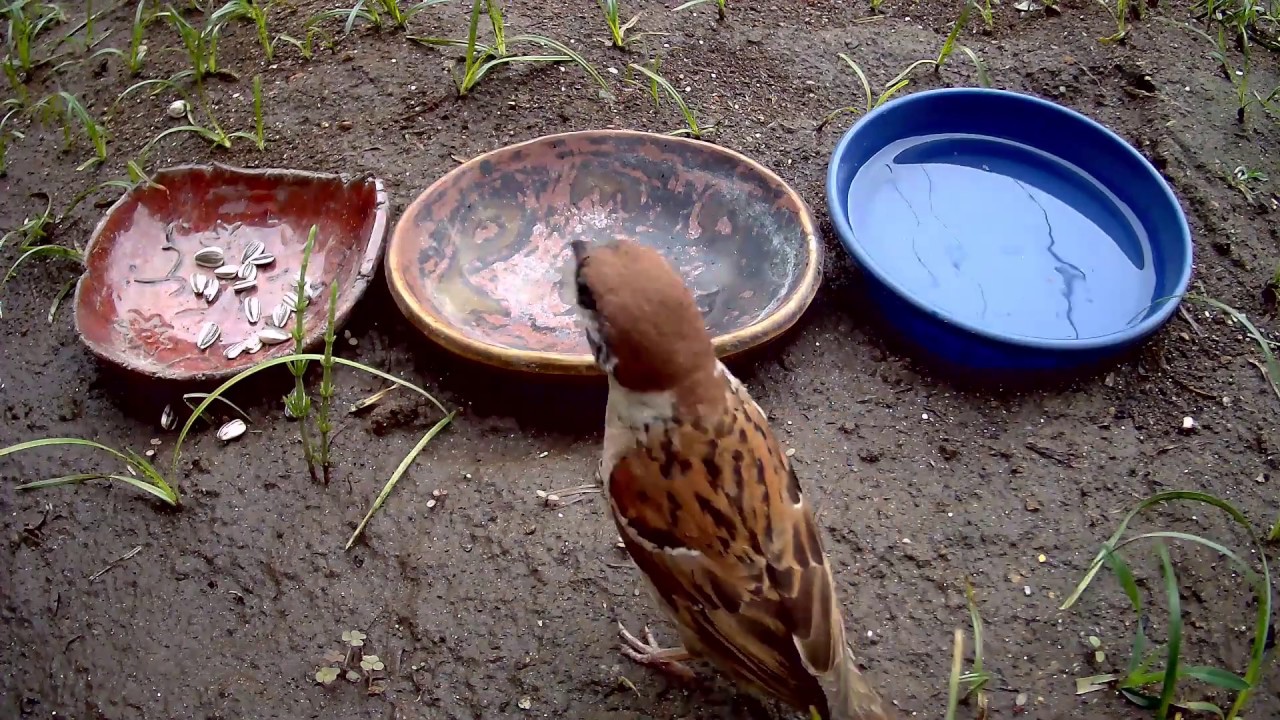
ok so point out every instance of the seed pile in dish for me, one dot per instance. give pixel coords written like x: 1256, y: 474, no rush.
x: 242, y: 277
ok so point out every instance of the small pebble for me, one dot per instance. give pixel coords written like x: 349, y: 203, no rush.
x: 1026, y: 590
x: 791, y: 452
x: 344, y: 125
x: 1189, y: 424
x: 1041, y: 557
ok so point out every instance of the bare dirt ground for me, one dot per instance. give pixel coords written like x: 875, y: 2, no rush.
x: 491, y: 604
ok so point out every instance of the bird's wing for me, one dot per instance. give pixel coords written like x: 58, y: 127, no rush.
x: 713, y: 514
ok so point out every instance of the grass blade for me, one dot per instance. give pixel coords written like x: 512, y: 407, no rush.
x: 400, y: 470
x: 284, y: 359
x: 1174, y: 652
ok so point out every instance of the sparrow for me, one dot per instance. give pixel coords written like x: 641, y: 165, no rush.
x: 706, y: 503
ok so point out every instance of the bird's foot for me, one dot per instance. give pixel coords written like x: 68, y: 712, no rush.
x: 647, y: 652
x: 568, y: 496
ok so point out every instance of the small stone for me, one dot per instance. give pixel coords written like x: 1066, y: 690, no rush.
x: 791, y: 452
x: 176, y: 109
x: 1020, y: 700
x: 525, y: 703
x: 344, y: 125
x: 1026, y: 590
x: 1189, y: 425
x: 1042, y: 557
x: 1032, y: 505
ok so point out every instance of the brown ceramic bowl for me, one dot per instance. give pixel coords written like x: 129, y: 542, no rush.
x: 128, y: 318
x: 481, y: 260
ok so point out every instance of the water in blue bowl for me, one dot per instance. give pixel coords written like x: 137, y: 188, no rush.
x: 1003, y: 237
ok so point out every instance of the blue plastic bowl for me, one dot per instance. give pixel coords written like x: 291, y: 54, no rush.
x: 1003, y: 232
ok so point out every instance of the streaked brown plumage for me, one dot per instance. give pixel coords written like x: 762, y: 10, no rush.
x: 705, y: 501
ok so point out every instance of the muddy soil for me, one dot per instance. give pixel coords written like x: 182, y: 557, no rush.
x: 486, y: 603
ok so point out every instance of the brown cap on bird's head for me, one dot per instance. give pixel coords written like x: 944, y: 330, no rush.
x: 643, y: 325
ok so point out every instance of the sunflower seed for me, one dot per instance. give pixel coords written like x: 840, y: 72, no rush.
x: 233, y: 351
x: 247, y: 272
x: 227, y: 272
x: 232, y: 430
x: 313, y: 290
x: 168, y: 420
x: 263, y: 258
x: 199, y: 281
x: 290, y: 299
x: 280, y: 316
x: 211, y: 291
x: 254, y: 248
x: 243, y: 285
x: 272, y: 335
x: 211, y: 257
x: 252, y: 309
x: 252, y: 344
x: 208, y: 333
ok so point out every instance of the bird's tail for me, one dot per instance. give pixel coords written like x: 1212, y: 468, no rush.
x: 850, y: 696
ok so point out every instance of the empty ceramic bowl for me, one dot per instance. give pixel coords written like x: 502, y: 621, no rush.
x: 186, y: 281
x: 481, y: 260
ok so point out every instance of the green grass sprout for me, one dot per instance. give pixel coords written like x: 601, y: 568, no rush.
x: 721, y: 11
x: 24, y: 21
x: 142, y: 475
x: 871, y: 100
x: 214, y: 132
x: 298, y: 402
x: 618, y: 29
x: 252, y: 11
x: 399, y: 472
x: 374, y: 13
x: 1271, y: 366
x: 480, y: 58
x: 137, y: 52
x: 306, y: 46
x: 657, y: 81
x: 324, y: 423
x: 69, y: 111
x: 273, y: 362
x: 1139, y: 673
x: 975, y: 680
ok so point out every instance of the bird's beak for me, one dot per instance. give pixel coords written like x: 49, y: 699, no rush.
x: 580, y: 249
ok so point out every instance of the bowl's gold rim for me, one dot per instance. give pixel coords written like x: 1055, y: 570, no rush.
x: 727, y: 345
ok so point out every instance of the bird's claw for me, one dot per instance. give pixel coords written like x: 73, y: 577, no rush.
x: 647, y: 652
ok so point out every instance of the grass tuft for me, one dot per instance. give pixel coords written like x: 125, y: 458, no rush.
x: 657, y: 82
x: 141, y: 474
x: 1140, y: 672
x: 481, y: 58
x: 137, y: 51
x: 298, y: 402
x: 721, y: 11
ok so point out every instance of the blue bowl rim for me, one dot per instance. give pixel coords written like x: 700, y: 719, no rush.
x: 840, y: 221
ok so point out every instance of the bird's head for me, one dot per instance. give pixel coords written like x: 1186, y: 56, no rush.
x: 642, y: 324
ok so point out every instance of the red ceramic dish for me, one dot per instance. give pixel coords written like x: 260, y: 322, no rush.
x: 135, y: 305
x: 481, y: 260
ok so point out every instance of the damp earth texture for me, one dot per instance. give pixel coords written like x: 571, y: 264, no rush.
x: 483, y: 600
